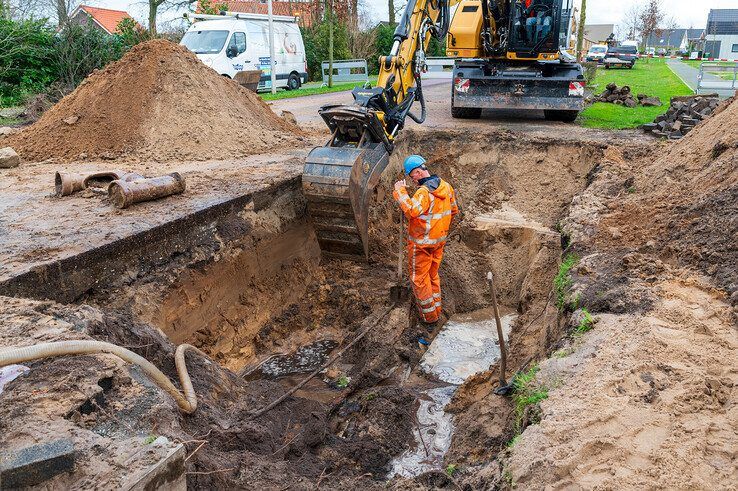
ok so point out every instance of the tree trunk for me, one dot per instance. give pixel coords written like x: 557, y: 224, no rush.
x: 580, y: 29
x: 355, y: 13
x: 330, y: 45
x: 153, y: 7
x: 391, y: 7
x: 62, y: 15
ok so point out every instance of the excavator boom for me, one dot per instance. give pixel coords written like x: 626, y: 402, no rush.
x: 339, y: 178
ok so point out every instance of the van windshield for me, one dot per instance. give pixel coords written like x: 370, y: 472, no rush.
x: 204, y: 42
x: 598, y: 49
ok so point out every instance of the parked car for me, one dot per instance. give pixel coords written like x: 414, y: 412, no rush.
x: 239, y: 42
x: 597, y: 53
x: 624, y: 56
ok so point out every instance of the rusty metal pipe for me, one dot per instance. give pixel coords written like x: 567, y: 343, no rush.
x: 124, y: 193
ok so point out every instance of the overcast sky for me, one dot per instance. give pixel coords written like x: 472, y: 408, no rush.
x: 686, y: 12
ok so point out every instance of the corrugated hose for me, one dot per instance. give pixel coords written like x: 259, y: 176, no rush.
x: 187, y: 402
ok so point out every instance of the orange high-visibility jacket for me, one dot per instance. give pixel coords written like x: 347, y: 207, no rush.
x: 429, y: 212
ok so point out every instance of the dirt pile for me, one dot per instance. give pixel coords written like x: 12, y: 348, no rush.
x: 158, y: 102
x: 682, y: 205
x: 645, y: 399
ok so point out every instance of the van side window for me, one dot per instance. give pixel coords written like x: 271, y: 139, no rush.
x: 240, y: 39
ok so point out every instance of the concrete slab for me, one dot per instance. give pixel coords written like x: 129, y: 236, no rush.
x: 35, y: 464
x: 46, y: 241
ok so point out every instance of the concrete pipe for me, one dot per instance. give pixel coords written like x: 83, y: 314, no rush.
x: 123, y: 193
x: 67, y: 183
x: 187, y: 402
x: 103, y: 179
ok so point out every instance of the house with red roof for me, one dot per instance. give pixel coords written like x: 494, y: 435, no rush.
x: 106, y: 20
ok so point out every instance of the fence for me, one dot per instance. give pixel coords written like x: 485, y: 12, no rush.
x: 439, y: 67
x: 714, y: 79
x: 346, y: 71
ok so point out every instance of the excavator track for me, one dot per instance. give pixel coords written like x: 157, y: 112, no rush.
x: 339, y: 179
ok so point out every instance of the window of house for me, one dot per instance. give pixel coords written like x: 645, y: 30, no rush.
x: 735, y: 49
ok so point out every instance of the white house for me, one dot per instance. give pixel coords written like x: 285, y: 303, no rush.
x: 721, y: 34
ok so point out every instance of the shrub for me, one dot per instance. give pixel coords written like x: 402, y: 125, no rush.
x: 316, y: 46
x: 26, y: 51
x: 80, y: 50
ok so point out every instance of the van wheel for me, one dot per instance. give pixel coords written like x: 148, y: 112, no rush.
x: 293, y: 82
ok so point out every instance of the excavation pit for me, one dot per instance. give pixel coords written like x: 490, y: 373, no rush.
x: 246, y: 283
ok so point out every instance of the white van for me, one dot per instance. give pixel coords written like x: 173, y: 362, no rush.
x: 596, y: 53
x: 236, y: 42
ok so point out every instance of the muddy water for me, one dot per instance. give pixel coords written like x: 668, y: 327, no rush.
x: 465, y: 346
x: 304, y: 360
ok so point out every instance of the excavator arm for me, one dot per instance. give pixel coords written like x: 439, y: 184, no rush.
x: 340, y: 177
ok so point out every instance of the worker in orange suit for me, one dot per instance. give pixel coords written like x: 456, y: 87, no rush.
x: 429, y: 213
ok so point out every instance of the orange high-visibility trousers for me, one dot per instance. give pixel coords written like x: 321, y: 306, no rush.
x: 423, y: 264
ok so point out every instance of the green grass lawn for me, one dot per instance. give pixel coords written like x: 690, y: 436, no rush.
x: 9, y: 121
x: 652, y: 77
x: 312, y: 88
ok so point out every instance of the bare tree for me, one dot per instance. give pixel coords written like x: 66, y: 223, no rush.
x: 668, y: 26
x: 36, y: 9
x: 632, y: 21
x: 651, y: 18
x: 162, y: 5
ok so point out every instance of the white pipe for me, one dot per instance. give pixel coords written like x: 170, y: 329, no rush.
x: 187, y: 402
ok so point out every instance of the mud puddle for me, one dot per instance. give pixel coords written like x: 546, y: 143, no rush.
x: 304, y: 360
x: 466, y: 345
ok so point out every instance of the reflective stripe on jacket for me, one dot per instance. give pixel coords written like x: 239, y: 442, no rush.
x: 429, y: 212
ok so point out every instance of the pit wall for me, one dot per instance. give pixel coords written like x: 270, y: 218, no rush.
x: 102, y: 271
x: 512, y: 191
x: 259, y: 259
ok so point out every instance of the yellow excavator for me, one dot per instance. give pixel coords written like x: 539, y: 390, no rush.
x: 507, y: 54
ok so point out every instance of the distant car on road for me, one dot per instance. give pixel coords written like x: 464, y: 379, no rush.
x: 623, y: 56
x: 597, y: 53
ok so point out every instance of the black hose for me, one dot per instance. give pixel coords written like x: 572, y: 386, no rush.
x: 444, y: 14
x: 419, y: 96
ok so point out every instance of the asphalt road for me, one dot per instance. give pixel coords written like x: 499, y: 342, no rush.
x: 438, y: 94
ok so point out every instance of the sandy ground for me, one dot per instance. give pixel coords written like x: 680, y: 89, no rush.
x: 38, y: 227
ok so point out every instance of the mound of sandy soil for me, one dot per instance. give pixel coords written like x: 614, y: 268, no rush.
x: 684, y: 203
x: 158, y: 102
x: 647, y: 398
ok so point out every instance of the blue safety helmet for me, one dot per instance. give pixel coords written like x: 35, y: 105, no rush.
x: 413, y: 162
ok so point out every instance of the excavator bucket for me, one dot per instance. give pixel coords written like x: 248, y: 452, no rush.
x: 339, y: 179
x: 338, y: 183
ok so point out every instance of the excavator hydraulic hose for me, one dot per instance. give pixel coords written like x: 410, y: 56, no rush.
x: 187, y: 403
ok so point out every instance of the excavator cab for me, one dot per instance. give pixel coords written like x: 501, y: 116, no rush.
x: 532, y: 27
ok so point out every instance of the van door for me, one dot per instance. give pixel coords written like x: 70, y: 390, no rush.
x: 237, y: 53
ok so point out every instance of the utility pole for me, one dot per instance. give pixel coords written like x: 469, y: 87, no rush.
x: 273, y: 75
x: 330, y: 45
